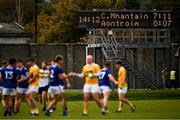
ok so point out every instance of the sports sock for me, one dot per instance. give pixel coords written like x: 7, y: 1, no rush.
x: 85, y: 111
x: 32, y: 111
x: 105, y: 108
x: 36, y: 111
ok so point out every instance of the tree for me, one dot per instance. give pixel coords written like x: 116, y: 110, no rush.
x: 120, y: 4
x: 20, y: 11
x: 60, y: 25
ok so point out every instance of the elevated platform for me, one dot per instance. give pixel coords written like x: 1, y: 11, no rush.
x: 135, y: 45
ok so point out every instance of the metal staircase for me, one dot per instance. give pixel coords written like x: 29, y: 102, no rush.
x: 110, y: 49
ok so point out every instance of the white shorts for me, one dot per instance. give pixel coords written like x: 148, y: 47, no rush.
x: 123, y: 90
x: 32, y: 89
x: 21, y: 90
x: 62, y: 88
x: 104, y: 89
x: 91, y: 88
x: 9, y: 91
x: 56, y: 89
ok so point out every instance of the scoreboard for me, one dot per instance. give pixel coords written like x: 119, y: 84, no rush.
x: 124, y: 19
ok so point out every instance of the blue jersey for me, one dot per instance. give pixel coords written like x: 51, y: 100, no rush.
x: 1, y: 81
x: 9, y: 75
x: 103, y: 78
x: 54, y: 76
x: 23, y: 72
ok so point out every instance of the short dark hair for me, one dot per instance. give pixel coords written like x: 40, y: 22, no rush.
x: 12, y: 61
x: 58, y: 58
x: 30, y: 60
x: 119, y: 62
x: 21, y: 61
x: 107, y: 64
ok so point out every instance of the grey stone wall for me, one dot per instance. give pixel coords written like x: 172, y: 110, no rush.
x: 74, y: 55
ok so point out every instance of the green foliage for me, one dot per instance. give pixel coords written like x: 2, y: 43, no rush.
x: 57, y: 21
x: 120, y: 4
x: 135, y: 95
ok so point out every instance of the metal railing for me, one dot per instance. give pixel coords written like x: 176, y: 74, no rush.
x: 110, y: 50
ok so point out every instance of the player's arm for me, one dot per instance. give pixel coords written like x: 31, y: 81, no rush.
x: 22, y: 78
x: 33, y: 76
x: 80, y: 75
x: 63, y: 76
x: 123, y: 77
x: 68, y: 83
x: 0, y: 76
x: 112, y: 79
x: 97, y: 73
x: 73, y: 74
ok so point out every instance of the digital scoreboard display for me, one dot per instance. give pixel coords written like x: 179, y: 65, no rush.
x: 124, y: 19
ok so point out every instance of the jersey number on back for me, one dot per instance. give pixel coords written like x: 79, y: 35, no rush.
x: 8, y: 75
x: 102, y: 75
x: 52, y: 74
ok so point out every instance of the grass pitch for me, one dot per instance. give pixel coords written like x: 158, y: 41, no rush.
x: 146, y: 109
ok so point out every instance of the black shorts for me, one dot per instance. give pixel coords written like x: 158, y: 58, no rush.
x: 41, y: 89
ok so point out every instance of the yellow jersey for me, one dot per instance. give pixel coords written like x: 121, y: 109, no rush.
x: 122, y: 77
x: 88, y: 71
x: 34, y: 70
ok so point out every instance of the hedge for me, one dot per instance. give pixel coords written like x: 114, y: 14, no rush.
x: 133, y: 95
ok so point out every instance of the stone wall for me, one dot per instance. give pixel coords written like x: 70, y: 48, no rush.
x: 74, y: 55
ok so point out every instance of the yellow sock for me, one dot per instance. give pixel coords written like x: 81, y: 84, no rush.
x: 36, y: 110
x: 32, y: 111
x: 85, y: 111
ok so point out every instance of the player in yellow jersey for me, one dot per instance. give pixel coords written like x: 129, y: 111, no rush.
x: 122, y: 87
x: 90, y: 73
x: 33, y: 85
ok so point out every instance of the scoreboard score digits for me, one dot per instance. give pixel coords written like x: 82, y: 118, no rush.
x: 124, y: 19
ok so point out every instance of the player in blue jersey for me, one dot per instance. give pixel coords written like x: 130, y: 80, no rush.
x: 22, y: 85
x: 105, y: 77
x: 9, y: 77
x: 57, y: 76
x: 3, y: 65
x: 1, y: 83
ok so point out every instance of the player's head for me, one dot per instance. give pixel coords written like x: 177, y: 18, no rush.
x: 89, y: 59
x: 118, y: 64
x: 107, y: 65
x: 19, y: 63
x: 59, y: 59
x: 30, y: 61
x: 48, y: 64
x: 44, y: 64
x: 12, y: 62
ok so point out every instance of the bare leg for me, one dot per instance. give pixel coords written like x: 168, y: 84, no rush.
x: 64, y: 104
x: 52, y: 102
x: 32, y: 100
x: 17, y: 102
x: 98, y: 101
x: 4, y: 101
x: 44, y: 95
x: 10, y: 104
x: 105, y: 100
x: 126, y: 101
x: 85, y: 102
